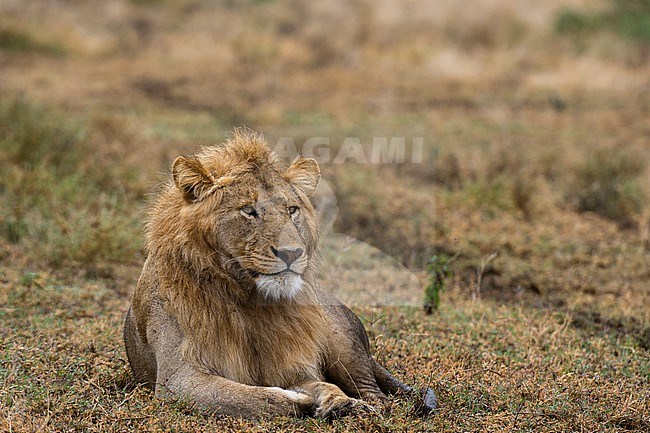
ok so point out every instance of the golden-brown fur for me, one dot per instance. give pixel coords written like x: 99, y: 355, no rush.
x: 228, y: 312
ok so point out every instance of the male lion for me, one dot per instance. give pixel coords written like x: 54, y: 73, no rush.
x: 228, y: 313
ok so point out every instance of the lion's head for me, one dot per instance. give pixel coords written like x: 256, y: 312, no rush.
x: 238, y: 211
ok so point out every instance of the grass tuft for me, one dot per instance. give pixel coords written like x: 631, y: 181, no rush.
x: 608, y: 183
x: 21, y: 42
x: 439, y: 271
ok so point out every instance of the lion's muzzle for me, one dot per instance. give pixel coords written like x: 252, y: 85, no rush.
x: 285, y: 285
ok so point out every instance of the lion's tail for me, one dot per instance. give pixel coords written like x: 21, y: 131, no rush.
x: 426, y: 399
x: 387, y: 382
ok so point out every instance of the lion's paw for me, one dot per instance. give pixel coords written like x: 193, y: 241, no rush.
x: 338, y: 407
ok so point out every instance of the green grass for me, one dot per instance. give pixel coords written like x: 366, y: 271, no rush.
x: 61, y: 200
x: 21, y: 42
x: 440, y: 272
x: 627, y: 18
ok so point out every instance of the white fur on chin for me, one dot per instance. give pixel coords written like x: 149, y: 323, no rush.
x: 277, y: 287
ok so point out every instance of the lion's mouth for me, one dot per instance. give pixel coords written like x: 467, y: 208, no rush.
x: 256, y: 274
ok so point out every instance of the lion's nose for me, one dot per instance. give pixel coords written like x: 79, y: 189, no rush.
x: 286, y: 255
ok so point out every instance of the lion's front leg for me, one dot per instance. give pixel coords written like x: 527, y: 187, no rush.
x: 177, y: 378
x: 218, y: 395
x: 330, y: 402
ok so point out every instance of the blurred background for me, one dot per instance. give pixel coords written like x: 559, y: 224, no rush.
x: 532, y: 191
x: 534, y: 118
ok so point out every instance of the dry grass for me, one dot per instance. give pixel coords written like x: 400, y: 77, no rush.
x: 536, y: 144
x: 64, y: 369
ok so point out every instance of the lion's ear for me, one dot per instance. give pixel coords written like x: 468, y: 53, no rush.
x: 304, y: 174
x: 191, y: 178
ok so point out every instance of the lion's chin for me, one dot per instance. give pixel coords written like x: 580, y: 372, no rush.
x: 281, y: 286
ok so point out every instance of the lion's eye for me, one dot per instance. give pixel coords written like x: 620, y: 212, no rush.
x: 249, y: 211
x: 293, y: 210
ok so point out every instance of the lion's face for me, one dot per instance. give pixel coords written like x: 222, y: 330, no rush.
x: 265, y: 231
x: 256, y: 219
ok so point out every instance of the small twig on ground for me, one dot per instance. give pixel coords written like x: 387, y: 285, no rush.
x: 134, y: 418
x: 514, y: 422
